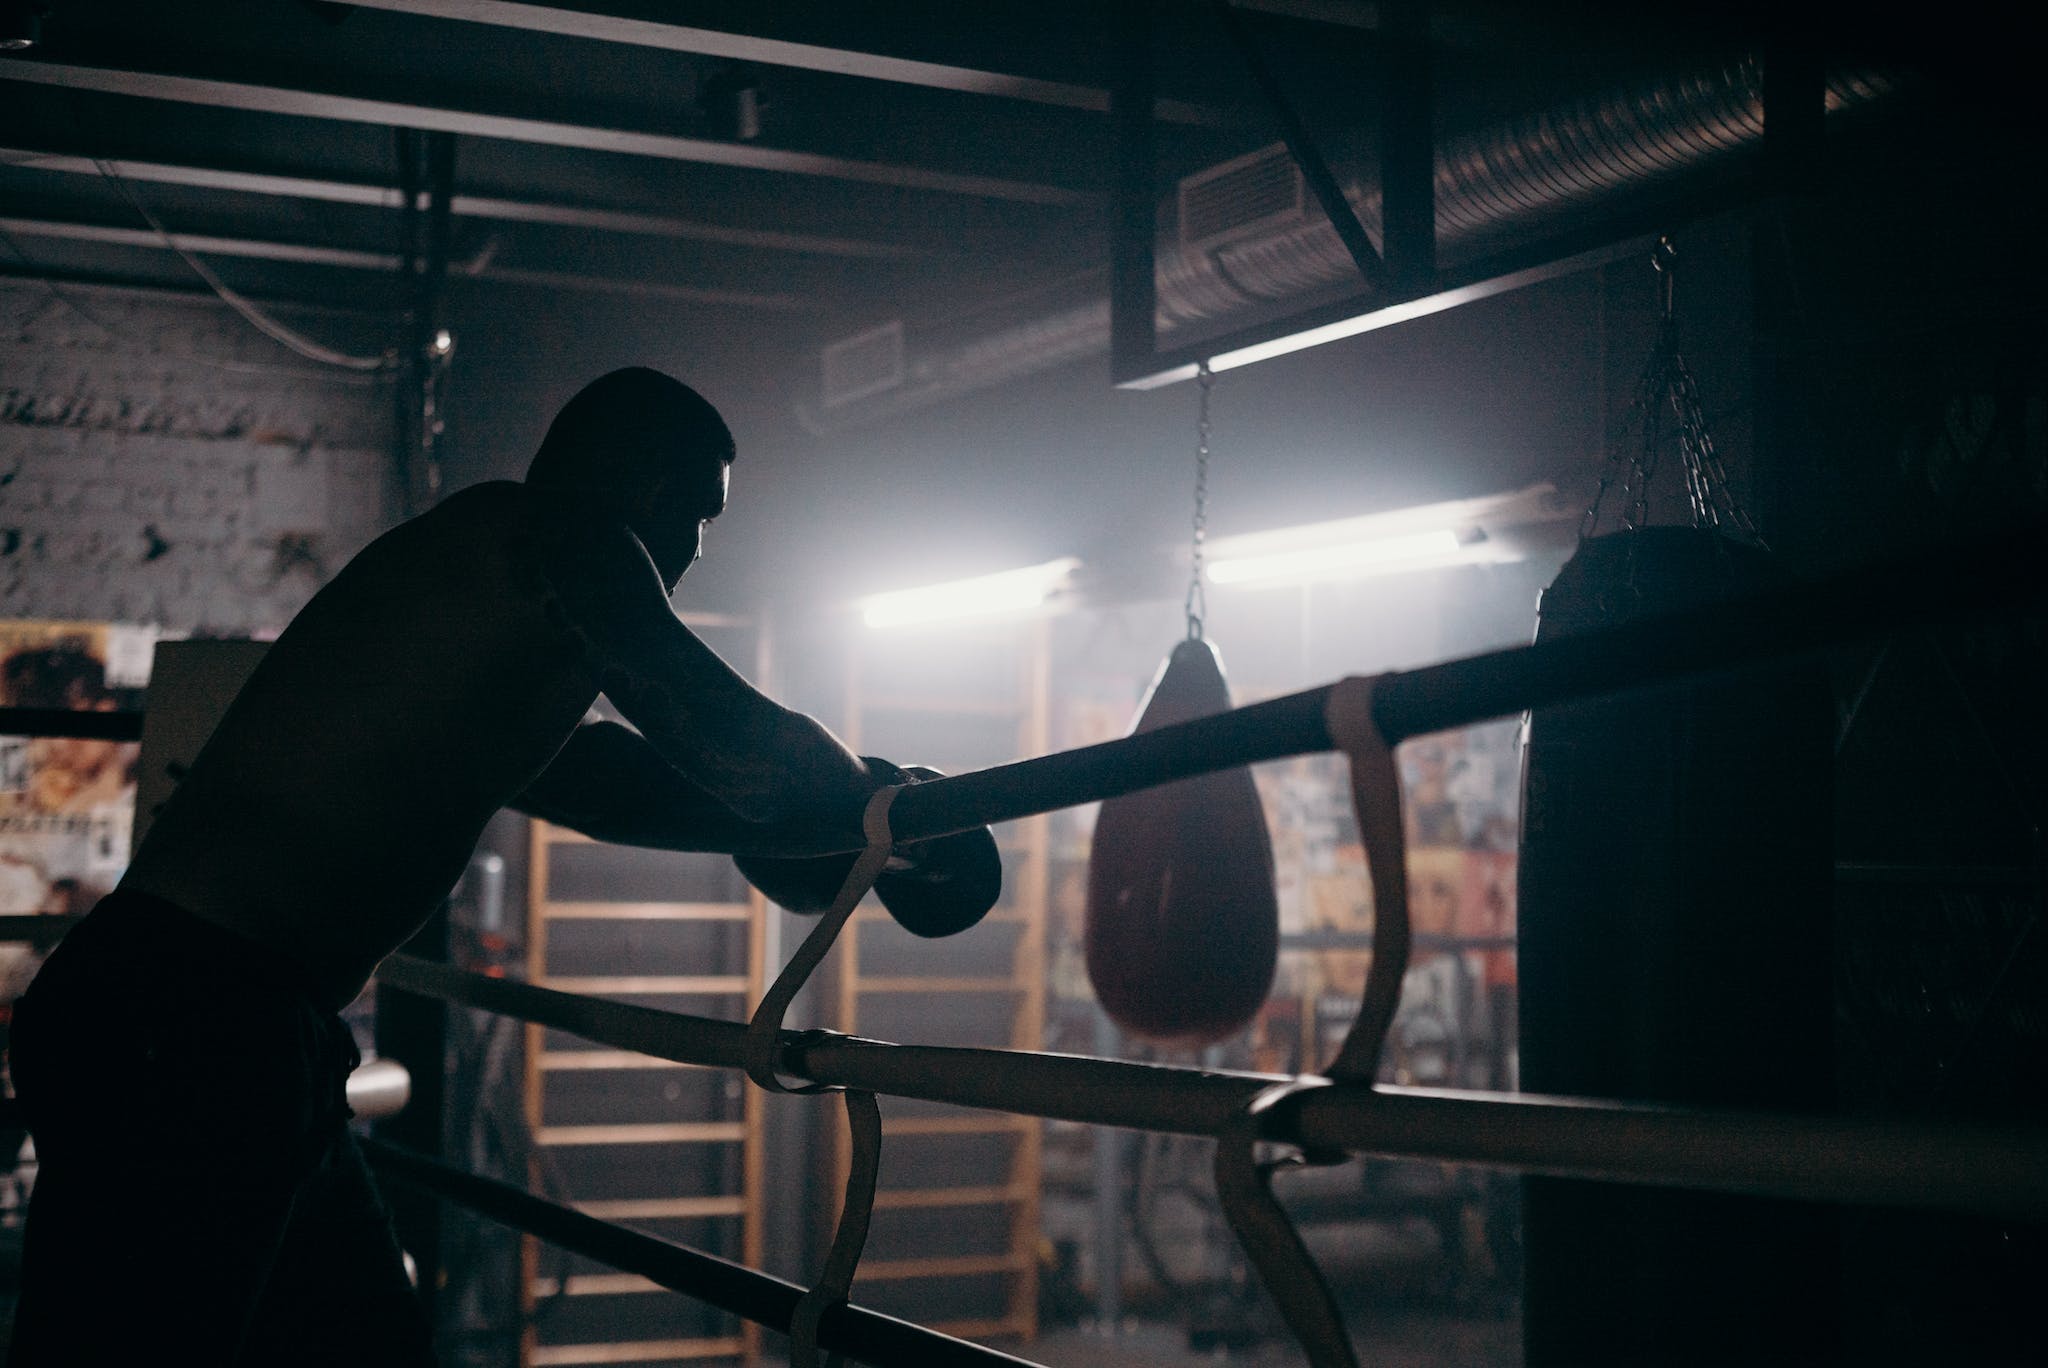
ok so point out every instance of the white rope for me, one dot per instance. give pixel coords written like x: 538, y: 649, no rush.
x: 255, y: 317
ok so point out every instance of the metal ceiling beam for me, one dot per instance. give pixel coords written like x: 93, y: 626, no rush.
x: 309, y: 254
x: 465, y: 206
x: 742, y: 47
x: 315, y: 104
x: 1358, y: 14
x: 202, y: 244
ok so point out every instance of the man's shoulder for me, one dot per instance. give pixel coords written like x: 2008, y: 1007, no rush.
x: 482, y: 500
x: 576, y: 542
x: 518, y: 514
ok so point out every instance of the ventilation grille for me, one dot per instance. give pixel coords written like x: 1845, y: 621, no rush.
x: 864, y: 364
x: 1246, y: 195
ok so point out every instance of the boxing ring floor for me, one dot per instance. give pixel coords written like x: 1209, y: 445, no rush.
x: 1325, y: 1117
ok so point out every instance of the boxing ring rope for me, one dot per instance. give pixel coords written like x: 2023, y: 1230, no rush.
x: 1988, y: 1170
x: 1941, y: 586
x: 1981, y: 1169
x: 745, y: 1292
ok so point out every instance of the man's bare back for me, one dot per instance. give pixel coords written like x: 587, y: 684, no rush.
x: 415, y: 696
x: 442, y: 675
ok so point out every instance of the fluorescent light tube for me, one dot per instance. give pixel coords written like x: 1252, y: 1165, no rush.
x: 1425, y: 537
x: 1011, y: 591
x: 1342, y: 560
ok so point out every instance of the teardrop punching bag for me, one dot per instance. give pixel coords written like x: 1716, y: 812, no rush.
x: 1183, y: 923
x: 1676, y: 946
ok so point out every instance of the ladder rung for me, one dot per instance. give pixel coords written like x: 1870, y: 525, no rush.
x: 992, y: 1328
x: 697, y: 617
x: 607, y: 1059
x: 993, y: 1124
x: 679, y: 985
x: 897, y: 1199
x: 877, y: 914
x: 931, y: 703
x: 939, y: 1266
x: 636, y: 1351
x: 937, y: 985
x: 645, y: 911
x: 664, y: 1208
x: 642, y: 1133
x: 595, y: 1285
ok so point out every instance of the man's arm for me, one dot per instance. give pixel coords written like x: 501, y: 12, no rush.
x: 740, y: 757
x: 760, y: 761
x: 609, y: 784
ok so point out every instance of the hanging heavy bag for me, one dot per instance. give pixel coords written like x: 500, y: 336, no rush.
x: 1183, y: 925
x: 1675, y: 943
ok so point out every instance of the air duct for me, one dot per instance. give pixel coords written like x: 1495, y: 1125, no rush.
x: 1490, y: 187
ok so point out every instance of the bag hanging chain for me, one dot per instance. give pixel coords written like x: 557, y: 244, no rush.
x: 1198, y: 597
x: 1668, y: 380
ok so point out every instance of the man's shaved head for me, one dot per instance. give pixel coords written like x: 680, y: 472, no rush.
x: 629, y: 433
x: 649, y: 449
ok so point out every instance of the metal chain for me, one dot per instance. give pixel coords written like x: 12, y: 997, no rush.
x: 1642, y: 468
x: 1704, y: 458
x: 1198, y: 597
x: 1693, y: 439
x: 1667, y: 381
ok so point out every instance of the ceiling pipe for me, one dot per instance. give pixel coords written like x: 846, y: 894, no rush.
x: 1490, y: 187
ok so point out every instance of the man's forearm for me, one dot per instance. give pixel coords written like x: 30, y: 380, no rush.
x: 609, y: 784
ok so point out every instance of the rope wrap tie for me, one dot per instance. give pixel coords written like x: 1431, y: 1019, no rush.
x: 863, y: 1114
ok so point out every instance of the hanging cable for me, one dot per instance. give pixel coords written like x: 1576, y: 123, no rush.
x: 1198, y: 598
x: 255, y: 317
x: 40, y: 275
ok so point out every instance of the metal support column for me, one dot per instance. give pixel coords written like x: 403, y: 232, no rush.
x: 1109, y: 1196
x: 1134, y: 230
x: 426, y: 181
x: 1407, y: 148
x: 414, y: 1030
x: 1795, y: 113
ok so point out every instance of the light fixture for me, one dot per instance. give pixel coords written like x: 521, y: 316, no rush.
x: 1342, y: 560
x: 21, y: 25
x: 731, y: 103
x: 1460, y: 532
x: 1005, y: 593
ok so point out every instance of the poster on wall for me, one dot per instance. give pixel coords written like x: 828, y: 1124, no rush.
x: 66, y: 804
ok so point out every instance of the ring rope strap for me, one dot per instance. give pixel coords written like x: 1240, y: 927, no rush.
x: 863, y: 1114
x: 1244, y: 1180
x: 835, y: 1283
x: 1376, y: 794
x: 1244, y: 1187
x: 764, y: 1028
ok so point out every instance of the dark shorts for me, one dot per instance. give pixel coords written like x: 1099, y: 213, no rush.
x: 200, y: 1198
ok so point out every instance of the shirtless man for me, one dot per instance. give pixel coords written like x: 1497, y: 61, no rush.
x: 180, y: 1057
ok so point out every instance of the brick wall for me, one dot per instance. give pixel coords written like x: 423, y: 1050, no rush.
x: 161, y: 462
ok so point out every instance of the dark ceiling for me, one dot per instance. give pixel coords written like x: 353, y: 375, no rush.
x: 929, y: 161
x: 900, y: 147
x: 909, y: 153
